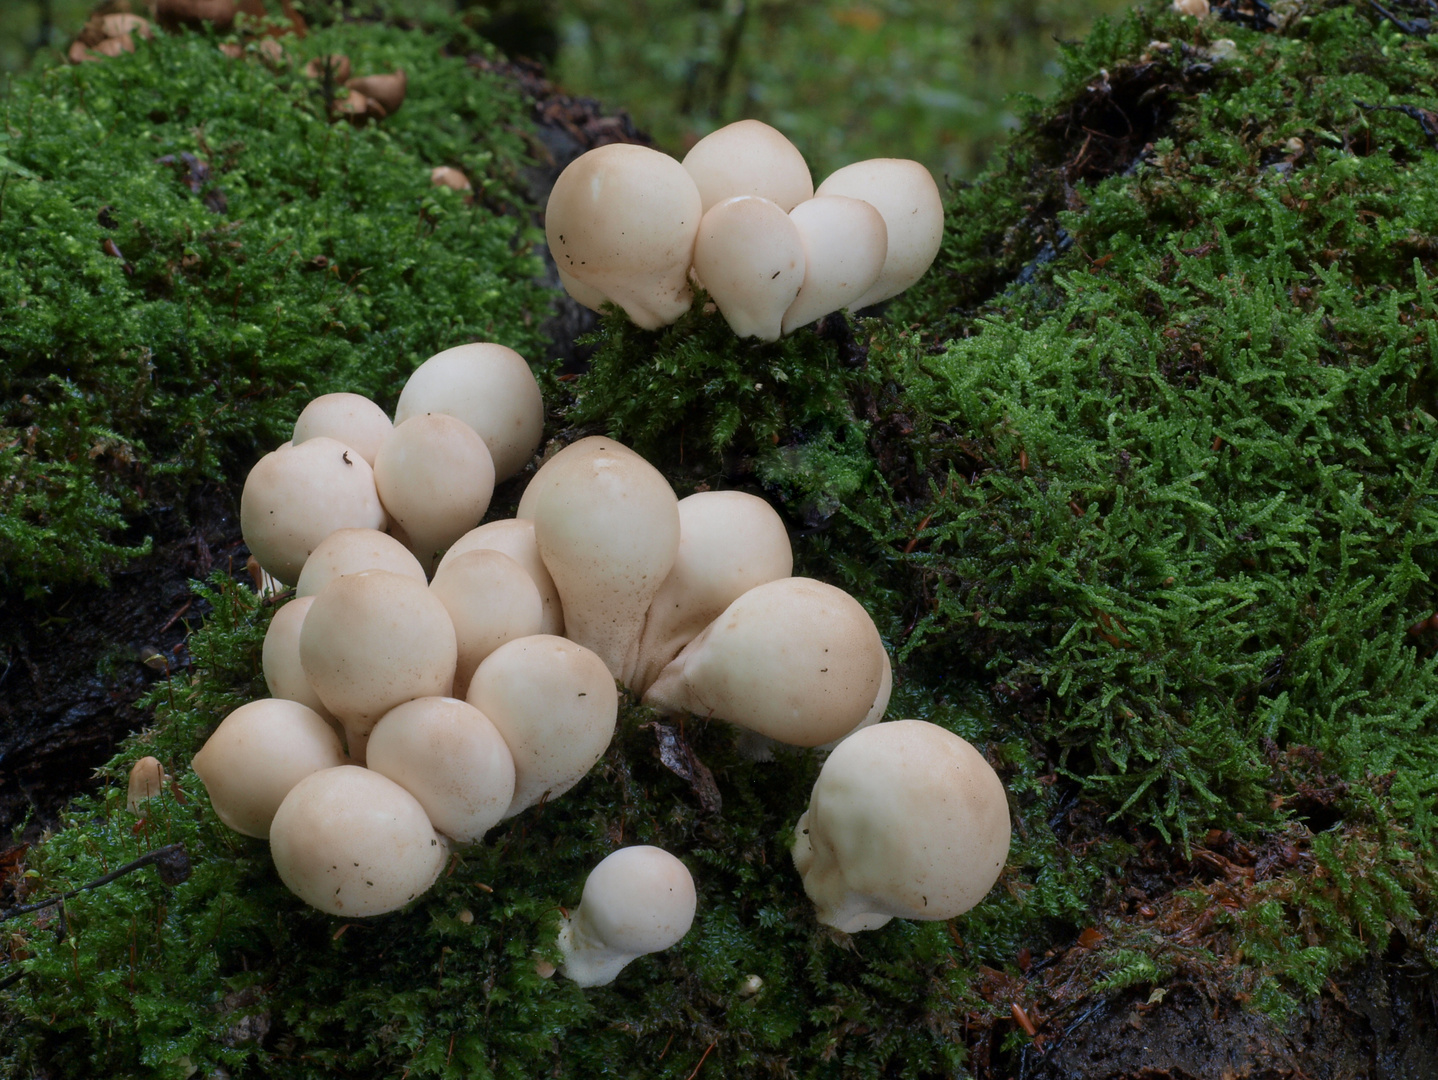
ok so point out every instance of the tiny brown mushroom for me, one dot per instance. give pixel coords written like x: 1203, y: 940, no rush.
x: 338, y: 64
x: 445, y: 176
x: 147, y: 779
x: 388, y: 90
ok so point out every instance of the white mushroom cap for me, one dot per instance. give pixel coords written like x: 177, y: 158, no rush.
x: 257, y: 754
x: 845, y: 244
x: 729, y: 542
x: 515, y: 537
x: 147, y: 779
x: 490, y: 600
x: 795, y: 659
x: 749, y: 157
x: 280, y: 659
x: 349, y: 841
x: 877, y: 710
x: 622, y: 219
x: 348, y: 551
x: 352, y: 419
x: 555, y: 704
x: 490, y: 388
x: 906, y: 820
x: 435, y: 477
x: 374, y: 640
x: 586, y: 296
x: 750, y: 258
x: 638, y: 900
x: 905, y: 193
x: 607, y: 526
x: 298, y: 495
x: 449, y: 756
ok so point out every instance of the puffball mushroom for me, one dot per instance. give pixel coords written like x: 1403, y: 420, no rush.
x: 588, y: 297
x: 607, y: 526
x: 351, y: 842
x: 556, y: 706
x: 147, y: 779
x: 906, y: 820
x: 845, y: 244
x: 729, y: 542
x: 296, y: 496
x: 449, y: 756
x: 387, y: 90
x: 490, y: 600
x: 490, y: 388
x: 749, y: 157
x: 905, y: 194
x: 374, y: 640
x: 795, y: 659
x: 435, y: 477
x: 750, y: 257
x: 638, y: 900
x: 622, y: 219
x: 280, y: 659
x: 348, y: 551
x: 352, y: 419
x: 258, y: 754
x: 515, y: 538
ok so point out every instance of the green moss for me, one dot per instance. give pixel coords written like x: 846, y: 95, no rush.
x: 162, y: 323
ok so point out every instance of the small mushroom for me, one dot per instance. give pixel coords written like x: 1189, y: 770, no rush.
x: 905, y: 194
x: 795, y: 659
x: 452, y: 178
x: 388, y: 90
x: 556, y: 706
x: 374, y: 640
x: 352, y: 419
x: 147, y: 779
x: 338, y: 64
x: 607, y: 526
x: 515, y: 538
x: 297, y: 495
x: 435, y: 477
x: 122, y: 22
x: 638, y: 900
x: 257, y: 754
x: 749, y: 157
x: 729, y: 542
x: 449, y: 756
x: 488, y: 386
x: 1194, y: 9
x: 490, y: 600
x: 906, y: 820
x: 845, y: 243
x: 622, y: 219
x: 348, y: 551
x: 351, y: 842
x: 751, y: 259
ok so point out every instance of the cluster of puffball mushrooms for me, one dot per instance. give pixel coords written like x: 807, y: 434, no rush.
x: 740, y: 216
x: 433, y: 676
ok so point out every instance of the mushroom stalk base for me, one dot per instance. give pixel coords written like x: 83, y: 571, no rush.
x: 588, y: 962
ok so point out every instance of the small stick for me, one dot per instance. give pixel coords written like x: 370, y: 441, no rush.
x: 172, y: 860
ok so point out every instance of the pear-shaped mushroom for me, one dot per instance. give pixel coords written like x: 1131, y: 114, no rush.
x: 435, y: 477
x: 388, y: 90
x: 622, y: 219
x: 280, y: 659
x: 147, y: 779
x: 374, y: 640
x: 607, y: 526
x: 490, y: 388
x: 351, y: 842
x: 906, y: 820
x: 490, y: 600
x: 751, y: 259
x: 515, y: 538
x: 297, y: 495
x: 257, y: 754
x: 729, y: 542
x: 555, y: 704
x: 352, y: 419
x: 348, y: 551
x: 638, y: 900
x: 845, y: 243
x: 449, y: 756
x: 906, y: 195
x: 749, y: 157
x: 795, y: 659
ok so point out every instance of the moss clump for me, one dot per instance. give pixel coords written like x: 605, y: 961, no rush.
x: 1149, y: 514
x: 191, y: 251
